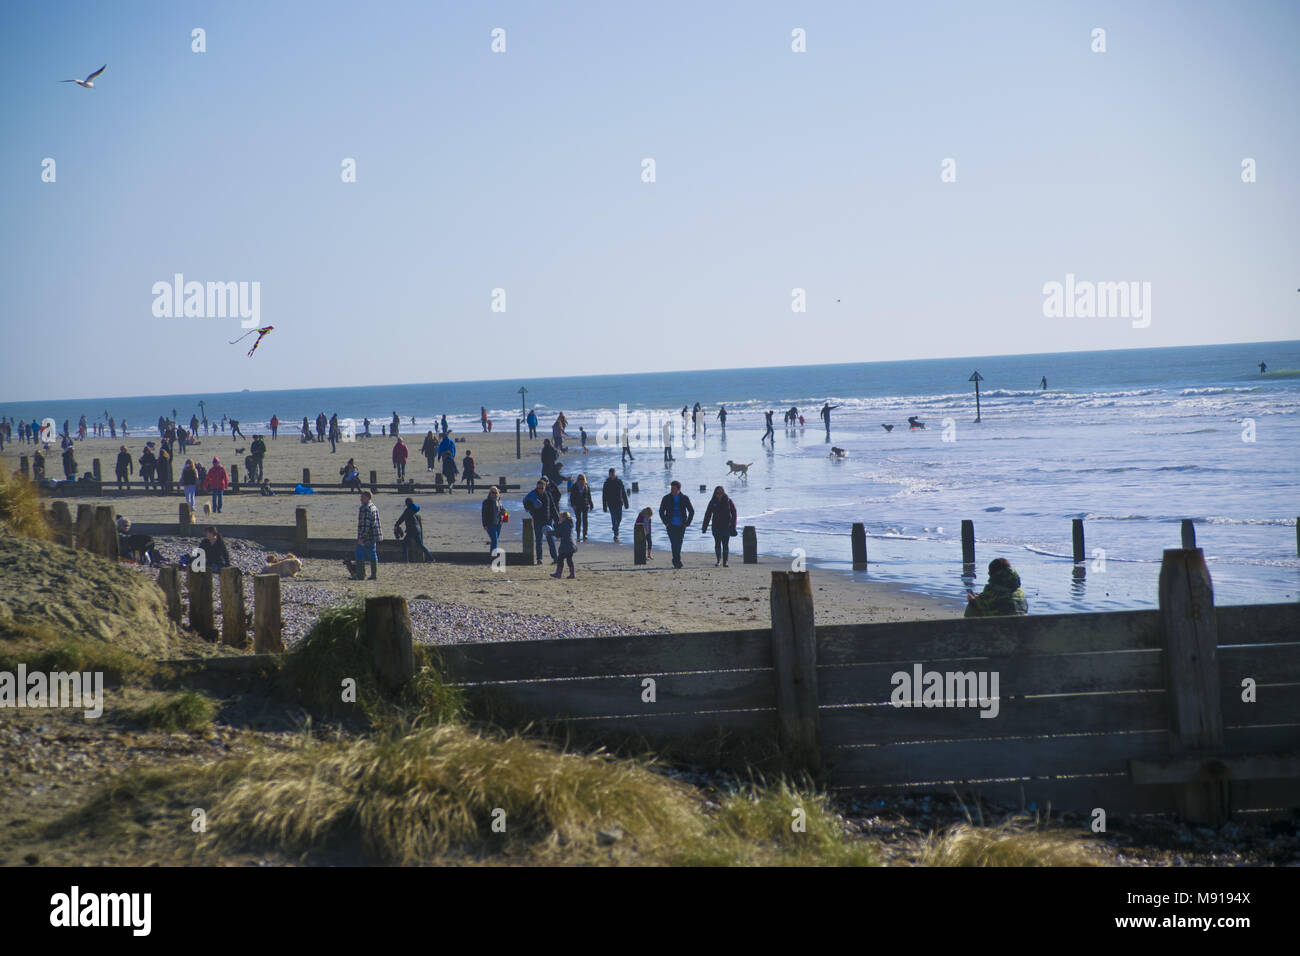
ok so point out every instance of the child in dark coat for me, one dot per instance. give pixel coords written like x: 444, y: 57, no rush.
x: 567, y: 547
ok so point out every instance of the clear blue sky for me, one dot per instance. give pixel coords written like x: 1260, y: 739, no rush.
x: 522, y: 170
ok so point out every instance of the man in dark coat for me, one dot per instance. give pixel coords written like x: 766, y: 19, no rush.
x: 676, y: 512
x: 541, y: 507
x: 613, y: 498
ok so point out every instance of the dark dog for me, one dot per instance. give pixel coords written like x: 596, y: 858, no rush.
x: 140, y: 548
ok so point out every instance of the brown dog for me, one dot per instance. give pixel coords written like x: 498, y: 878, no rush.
x: 286, y: 567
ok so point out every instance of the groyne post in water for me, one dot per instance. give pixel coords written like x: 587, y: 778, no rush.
x: 267, y: 626
x: 1189, y: 534
x: 1189, y: 636
x: 636, y: 488
x: 968, y: 542
x: 749, y: 545
x: 1077, y: 534
x: 858, y: 536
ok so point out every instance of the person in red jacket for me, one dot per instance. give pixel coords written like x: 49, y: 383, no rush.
x: 275, y: 427
x: 216, y: 481
x: 400, y: 454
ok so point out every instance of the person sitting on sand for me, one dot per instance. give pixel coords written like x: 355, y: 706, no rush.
x: 214, y: 550
x: 351, y: 476
x: 1002, y: 596
x: 265, y: 490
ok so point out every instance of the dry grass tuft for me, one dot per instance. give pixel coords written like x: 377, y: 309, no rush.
x: 1014, y: 843
x: 21, y: 510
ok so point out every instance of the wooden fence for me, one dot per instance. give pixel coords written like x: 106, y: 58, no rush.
x: 1191, y: 708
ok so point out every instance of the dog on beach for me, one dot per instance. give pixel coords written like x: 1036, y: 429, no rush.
x: 207, y: 510
x: 285, y: 567
x: 742, y: 470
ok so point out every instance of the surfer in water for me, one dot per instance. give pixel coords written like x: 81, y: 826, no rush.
x: 1044, y: 383
x: 913, y: 423
x: 1263, y: 367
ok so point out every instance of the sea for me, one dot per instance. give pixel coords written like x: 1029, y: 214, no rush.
x: 1131, y: 441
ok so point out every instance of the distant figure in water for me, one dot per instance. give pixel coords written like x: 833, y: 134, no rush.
x: 1262, y: 368
x: 1044, y: 383
x: 722, y: 417
x: 911, y: 421
x: 837, y: 452
x: 1002, y: 596
x: 826, y: 415
x: 770, y: 430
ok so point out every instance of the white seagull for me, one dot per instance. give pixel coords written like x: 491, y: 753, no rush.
x: 88, y: 82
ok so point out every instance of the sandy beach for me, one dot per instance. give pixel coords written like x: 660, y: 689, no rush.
x: 608, y: 588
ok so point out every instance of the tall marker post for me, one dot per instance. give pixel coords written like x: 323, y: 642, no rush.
x: 976, y: 377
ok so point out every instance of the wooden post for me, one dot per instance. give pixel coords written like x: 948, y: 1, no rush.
x: 437, y: 482
x: 704, y: 488
x: 517, y: 451
x: 1077, y: 532
x: 300, y: 538
x: 169, y: 579
x: 374, y: 482
x: 234, y: 621
x: 24, y: 466
x: 94, y: 467
x: 635, y: 488
x: 530, y: 544
x: 967, y: 542
x: 501, y: 484
x: 267, y: 626
x: 638, y: 543
x: 81, y: 529
x: 1189, y: 534
x: 749, y: 545
x: 234, y: 478
x: 306, y: 477
x: 103, y: 532
x: 1297, y: 537
x: 388, y: 635
x: 199, y: 587
x: 184, y: 517
x: 794, y: 659
x: 859, y: 538
x: 61, y: 519
x: 1189, y: 638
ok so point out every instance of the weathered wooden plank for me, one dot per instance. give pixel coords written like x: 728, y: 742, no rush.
x: 234, y: 619
x: 672, y: 727
x: 1250, y: 740
x: 1189, y: 631
x: 646, y: 654
x: 1258, y: 623
x: 198, y: 589
x: 1266, y: 664
x: 970, y: 637
x: 1113, y: 793
x: 1021, y: 716
x: 956, y: 760
x: 1248, y: 795
x: 795, y: 666
x: 623, y: 695
x: 1045, y: 674
x: 1225, y: 767
x: 268, y: 627
x: 1272, y: 705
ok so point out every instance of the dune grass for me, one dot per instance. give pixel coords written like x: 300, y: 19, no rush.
x: 1020, y: 842
x: 21, y: 509
x: 40, y: 648
x: 187, y: 711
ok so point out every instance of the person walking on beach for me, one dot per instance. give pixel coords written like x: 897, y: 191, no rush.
x: 467, y: 471
x: 444, y: 422
x: 446, y: 446
x: 550, y: 461
x: 582, y: 433
x: 366, y: 433
x: 124, y: 469
x: 335, y: 432
x: 568, y: 547
x: 676, y: 512
x: 400, y: 454
x: 541, y: 508
x: 148, y: 462
x: 164, y: 470
x: 722, y: 512
x: 557, y: 435
x: 613, y: 499
x: 492, y: 515
x: 413, y: 525
x: 189, y: 482
x: 1001, y: 596
x: 482, y: 417
x: 112, y: 427
x: 532, y: 423
x: 369, y: 534
x: 582, y: 505
x: 666, y: 432
x: 722, y: 416
x: 449, y: 470
x: 1043, y: 383
x: 393, y: 428
x: 429, y: 449
x: 627, y: 449
x: 275, y: 427
x: 217, y: 482
x: 771, y: 432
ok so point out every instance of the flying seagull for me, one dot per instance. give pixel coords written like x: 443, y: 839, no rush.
x: 88, y: 82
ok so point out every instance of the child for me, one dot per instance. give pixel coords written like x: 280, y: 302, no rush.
x: 644, y: 518
x: 567, y: 549
x: 266, y: 488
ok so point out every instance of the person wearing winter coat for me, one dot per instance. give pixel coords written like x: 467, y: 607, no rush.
x: 164, y: 470
x: 69, y: 464
x: 215, y: 554
x: 449, y: 470
x: 613, y: 499
x: 216, y: 482
x: 582, y: 505
x: 400, y: 454
x: 722, y: 513
x: 124, y: 469
x: 148, y: 462
x: 467, y: 471
x: 189, y: 482
x: 541, y: 508
x: 677, y: 513
x: 1001, y: 596
x: 492, y: 515
x: 429, y: 449
x: 567, y: 548
x: 410, y: 528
